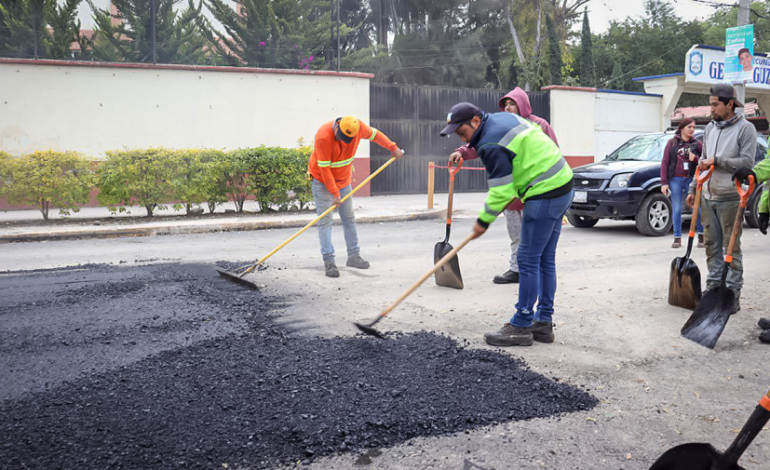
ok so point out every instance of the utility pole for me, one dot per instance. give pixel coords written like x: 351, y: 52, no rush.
x: 744, y: 8
x: 338, y: 35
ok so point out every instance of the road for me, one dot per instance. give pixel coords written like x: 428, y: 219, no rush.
x: 616, y: 336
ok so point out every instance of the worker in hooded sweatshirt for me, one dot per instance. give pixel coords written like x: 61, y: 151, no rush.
x: 331, y: 168
x: 516, y: 102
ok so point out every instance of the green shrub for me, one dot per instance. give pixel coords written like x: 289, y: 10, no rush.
x: 145, y: 177
x: 47, y: 179
x: 199, y: 178
x: 5, y: 172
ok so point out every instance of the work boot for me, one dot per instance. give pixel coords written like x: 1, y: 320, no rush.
x: 357, y: 262
x: 542, y: 332
x: 765, y: 336
x: 510, y: 335
x: 736, y: 304
x: 764, y: 323
x: 508, y: 277
x: 677, y: 243
x: 331, y: 269
x: 700, y: 240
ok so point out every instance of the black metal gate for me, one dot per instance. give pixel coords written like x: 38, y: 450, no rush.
x: 412, y: 116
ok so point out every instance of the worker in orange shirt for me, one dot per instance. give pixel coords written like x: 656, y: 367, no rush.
x: 330, y: 167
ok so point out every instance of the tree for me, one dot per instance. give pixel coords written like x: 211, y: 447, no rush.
x: 39, y: 28
x: 616, y: 80
x: 180, y: 38
x: 587, y: 71
x: 554, y: 57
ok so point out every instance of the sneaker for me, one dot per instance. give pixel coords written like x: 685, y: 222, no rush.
x: 700, y: 240
x: 331, y: 269
x: 765, y: 336
x: 357, y: 262
x: 764, y: 323
x: 677, y: 243
x: 508, y: 277
x: 510, y: 335
x: 543, y: 332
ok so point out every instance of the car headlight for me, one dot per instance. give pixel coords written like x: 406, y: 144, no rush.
x: 620, y: 181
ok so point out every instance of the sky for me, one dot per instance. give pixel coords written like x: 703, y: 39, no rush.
x: 601, y: 12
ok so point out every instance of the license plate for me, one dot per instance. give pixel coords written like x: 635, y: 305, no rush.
x: 580, y: 196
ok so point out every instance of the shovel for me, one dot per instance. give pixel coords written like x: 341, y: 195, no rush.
x: 696, y: 456
x: 707, y: 322
x: 237, y: 275
x: 449, y: 274
x: 684, y: 279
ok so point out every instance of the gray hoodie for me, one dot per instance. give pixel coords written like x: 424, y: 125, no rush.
x: 733, y: 144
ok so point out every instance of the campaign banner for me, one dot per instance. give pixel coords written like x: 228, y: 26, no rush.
x: 706, y: 64
x: 739, y: 54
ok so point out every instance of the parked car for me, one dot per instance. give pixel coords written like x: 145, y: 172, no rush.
x: 626, y: 186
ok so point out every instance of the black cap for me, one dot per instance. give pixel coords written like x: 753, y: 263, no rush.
x: 459, y: 114
x: 726, y: 91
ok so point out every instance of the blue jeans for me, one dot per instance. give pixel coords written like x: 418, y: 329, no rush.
x: 540, y: 230
x: 323, y: 200
x: 679, y: 186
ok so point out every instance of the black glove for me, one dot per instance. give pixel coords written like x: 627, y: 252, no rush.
x: 743, y: 174
x: 764, y: 217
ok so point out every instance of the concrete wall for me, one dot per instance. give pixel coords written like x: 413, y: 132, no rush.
x: 95, y: 107
x: 591, y: 123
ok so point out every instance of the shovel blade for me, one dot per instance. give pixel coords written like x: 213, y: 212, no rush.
x: 237, y: 279
x: 709, y: 318
x: 684, y: 284
x: 449, y: 274
x: 691, y: 457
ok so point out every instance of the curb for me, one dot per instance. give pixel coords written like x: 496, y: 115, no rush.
x: 138, y: 231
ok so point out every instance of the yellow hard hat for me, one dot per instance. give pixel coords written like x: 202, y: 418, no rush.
x: 348, y: 128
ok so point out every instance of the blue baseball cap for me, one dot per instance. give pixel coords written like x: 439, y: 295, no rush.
x: 460, y: 114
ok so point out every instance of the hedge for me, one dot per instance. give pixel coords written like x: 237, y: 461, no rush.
x: 158, y: 177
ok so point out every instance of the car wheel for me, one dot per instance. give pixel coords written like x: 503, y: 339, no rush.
x: 653, y: 218
x: 581, y: 221
x: 752, y: 212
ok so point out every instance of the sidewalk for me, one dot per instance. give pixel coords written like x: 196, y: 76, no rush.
x: 97, y: 222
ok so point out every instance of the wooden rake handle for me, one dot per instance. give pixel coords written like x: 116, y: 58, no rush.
x: 315, y: 221
x: 425, y: 277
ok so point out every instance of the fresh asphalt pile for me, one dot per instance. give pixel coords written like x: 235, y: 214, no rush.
x: 171, y: 366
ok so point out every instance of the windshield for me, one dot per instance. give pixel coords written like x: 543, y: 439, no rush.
x: 641, y: 148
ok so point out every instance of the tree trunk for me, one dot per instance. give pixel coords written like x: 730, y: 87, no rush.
x: 44, y: 205
x: 150, y: 208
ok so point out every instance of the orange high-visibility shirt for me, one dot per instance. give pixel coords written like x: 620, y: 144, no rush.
x: 332, y: 160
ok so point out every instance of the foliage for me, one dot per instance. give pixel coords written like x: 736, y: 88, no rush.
x: 554, y: 57
x: 587, y: 71
x: 198, y: 178
x: 180, y: 37
x: 144, y: 177
x: 5, y: 172
x: 47, y: 179
x: 39, y: 28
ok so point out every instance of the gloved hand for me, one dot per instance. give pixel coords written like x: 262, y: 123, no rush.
x: 743, y: 174
x: 764, y: 217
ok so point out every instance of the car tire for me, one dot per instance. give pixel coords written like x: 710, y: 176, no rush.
x: 752, y: 212
x: 581, y: 221
x: 653, y: 218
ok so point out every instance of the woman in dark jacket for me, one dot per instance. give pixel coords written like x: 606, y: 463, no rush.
x: 680, y: 158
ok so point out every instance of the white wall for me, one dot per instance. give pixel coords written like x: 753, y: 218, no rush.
x: 590, y: 124
x: 620, y: 117
x: 92, y: 109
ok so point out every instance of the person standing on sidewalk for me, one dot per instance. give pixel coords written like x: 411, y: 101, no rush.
x: 680, y: 159
x: 516, y: 102
x: 331, y: 168
x: 761, y: 173
x: 520, y: 161
x: 729, y: 144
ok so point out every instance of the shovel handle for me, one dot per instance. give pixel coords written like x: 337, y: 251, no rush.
x: 755, y: 423
x: 738, y: 225
x: 424, y: 277
x: 452, y: 172
x: 701, y: 179
x: 745, y: 194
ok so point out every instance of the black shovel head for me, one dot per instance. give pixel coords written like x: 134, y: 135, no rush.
x: 237, y: 279
x: 449, y: 274
x: 369, y: 330
x: 707, y: 322
x: 690, y: 457
x: 684, y: 284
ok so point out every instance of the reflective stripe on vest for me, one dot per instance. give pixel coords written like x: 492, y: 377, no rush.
x: 548, y: 174
x: 511, y: 134
x: 494, y: 182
